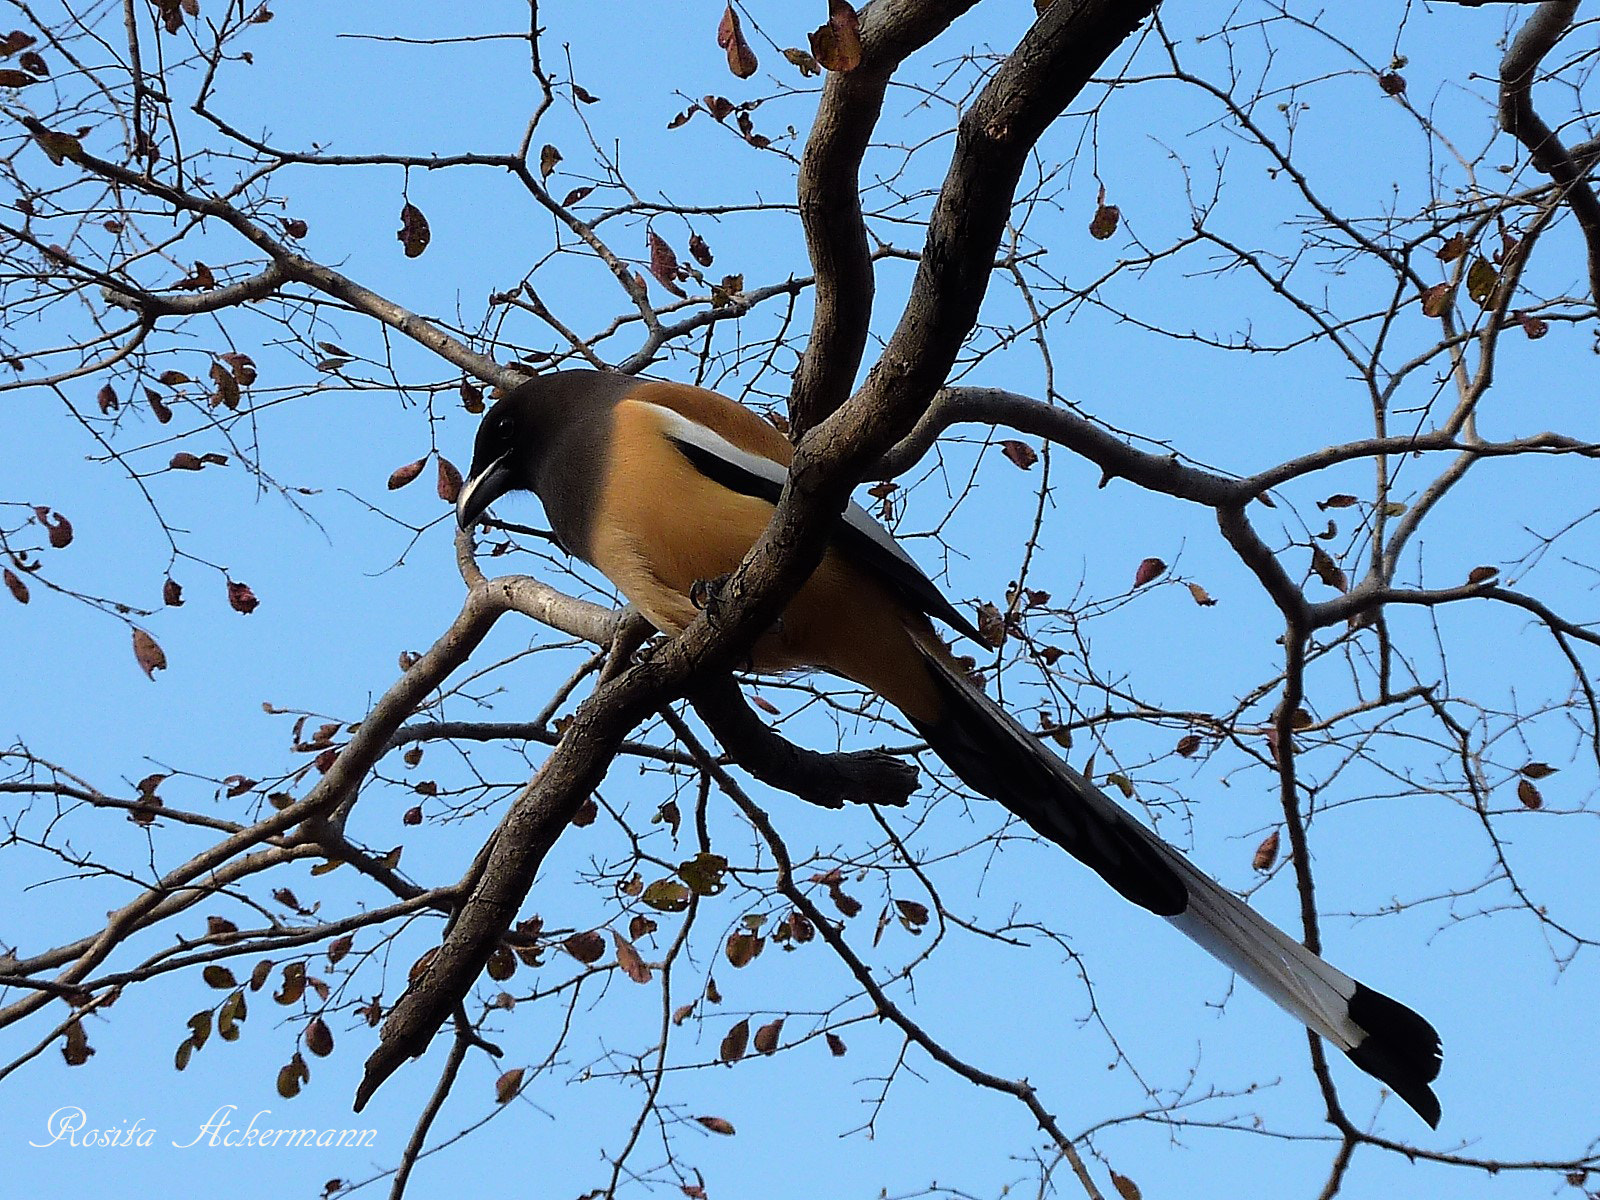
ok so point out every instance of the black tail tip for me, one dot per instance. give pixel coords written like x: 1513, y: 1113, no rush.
x: 1401, y: 1049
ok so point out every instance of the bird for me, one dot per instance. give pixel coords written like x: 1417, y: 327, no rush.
x: 664, y: 487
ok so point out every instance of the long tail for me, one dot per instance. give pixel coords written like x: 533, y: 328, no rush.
x: 992, y: 752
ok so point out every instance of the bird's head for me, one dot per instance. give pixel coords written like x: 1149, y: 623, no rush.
x: 499, y: 460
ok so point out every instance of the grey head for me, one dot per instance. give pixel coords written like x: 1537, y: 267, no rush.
x: 548, y: 435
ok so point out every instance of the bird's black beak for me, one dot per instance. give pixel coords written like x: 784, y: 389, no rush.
x: 486, y: 485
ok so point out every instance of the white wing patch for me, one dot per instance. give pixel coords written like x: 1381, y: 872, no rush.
x: 683, y: 429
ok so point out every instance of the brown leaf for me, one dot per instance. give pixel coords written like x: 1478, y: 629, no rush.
x: 158, y: 406
x: 808, y: 65
x: 240, y: 598
x: 743, y: 947
x: 291, y: 1075
x: 14, y: 41
x: 200, y: 279
x: 14, y: 585
x: 666, y: 895
x: 295, y: 228
x: 412, y: 815
x: 1126, y: 1188
x: 663, y: 262
x: 1481, y: 575
x: 218, y: 977
x: 991, y: 624
x: 836, y: 1045
x: 107, y: 399
x: 628, y: 959
x: 184, y: 461
x: 413, y: 233
x: 1020, y: 453
x: 548, y: 158
x: 33, y: 64
x: 471, y: 397
x: 1338, y: 500
x: 585, y: 947
x: 508, y: 1085
x: 766, y: 1039
x: 837, y: 45
x: 1266, y: 853
x: 1537, y: 770
x: 16, y: 79
x: 319, y: 1038
x: 699, y: 250
x: 1436, y: 300
x: 575, y: 195
x: 76, y: 1049
x: 1149, y: 570
x: 1201, y: 596
x: 1188, y: 744
x: 1534, y: 327
x: 1327, y: 570
x: 1455, y: 246
x: 1106, y: 217
x: 734, y: 1043
x: 741, y: 59
x: 1529, y: 795
x: 227, y: 393
x: 449, y: 486
x: 340, y: 947
x: 404, y: 475
x: 717, y: 1125
x: 58, y: 147
x: 1392, y: 83
x: 150, y: 655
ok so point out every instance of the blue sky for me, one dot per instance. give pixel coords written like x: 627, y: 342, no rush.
x: 344, y: 591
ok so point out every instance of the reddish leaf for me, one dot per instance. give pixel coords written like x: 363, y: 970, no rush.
x: 340, y: 947
x: 575, y: 196
x: 741, y: 59
x: 1149, y: 569
x: 412, y: 815
x: 1106, y: 217
x: 585, y: 947
x: 413, y: 234
x: 699, y: 250
x: 16, y: 79
x: 1266, y: 853
x: 1392, y: 83
x: 1529, y: 795
x: 734, y: 1043
x: 628, y: 959
x: 107, y: 399
x: 717, y: 1125
x: 319, y: 1038
x: 150, y: 655
x: 449, y: 486
x: 1436, y: 300
x: 240, y: 598
x: 404, y: 475
x: 663, y: 262
x: 1534, y: 327
x: 1455, y: 246
x: 294, y: 227
x: 18, y: 589
x: 1020, y: 453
